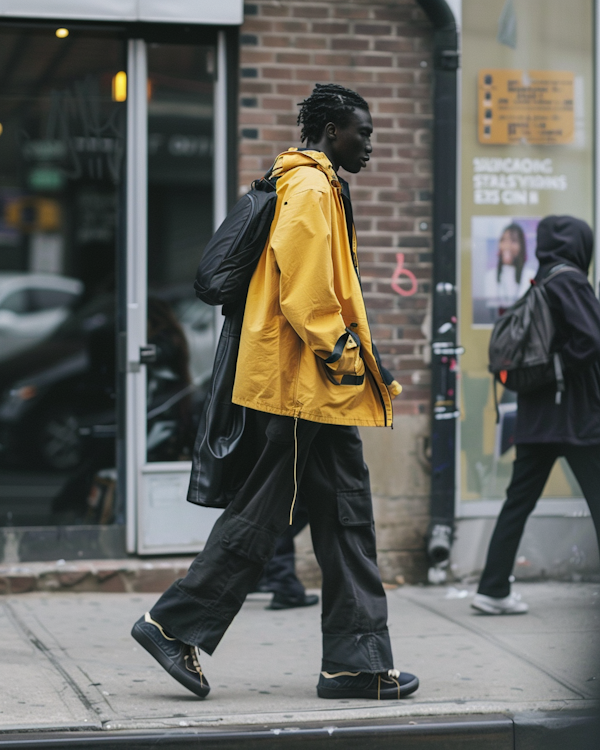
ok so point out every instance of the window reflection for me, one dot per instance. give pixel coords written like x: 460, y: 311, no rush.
x: 62, y: 147
x: 180, y: 196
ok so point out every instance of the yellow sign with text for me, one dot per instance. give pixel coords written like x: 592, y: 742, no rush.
x: 532, y: 107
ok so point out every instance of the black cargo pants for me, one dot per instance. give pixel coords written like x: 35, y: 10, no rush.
x: 325, y: 463
x: 531, y: 469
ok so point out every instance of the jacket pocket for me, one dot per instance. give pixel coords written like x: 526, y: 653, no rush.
x: 355, y: 507
x: 247, y: 540
x: 345, y: 366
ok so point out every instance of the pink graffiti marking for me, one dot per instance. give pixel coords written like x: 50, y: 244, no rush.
x: 401, y: 271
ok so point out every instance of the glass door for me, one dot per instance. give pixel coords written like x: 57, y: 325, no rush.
x: 179, y: 332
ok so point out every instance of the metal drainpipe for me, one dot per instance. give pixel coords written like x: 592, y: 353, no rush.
x: 444, y: 314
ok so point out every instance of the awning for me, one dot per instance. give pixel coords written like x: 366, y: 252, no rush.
x: 228, y: 12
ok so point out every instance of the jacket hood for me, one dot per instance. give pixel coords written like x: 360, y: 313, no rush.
x: 564, y: 239
x: 293, y: 158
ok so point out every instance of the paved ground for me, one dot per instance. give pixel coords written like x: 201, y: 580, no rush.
x: 67, y: 661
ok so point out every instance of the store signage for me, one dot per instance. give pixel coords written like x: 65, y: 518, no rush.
x: 525, y: 107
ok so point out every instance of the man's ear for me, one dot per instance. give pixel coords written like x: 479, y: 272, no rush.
x: 331, y: 131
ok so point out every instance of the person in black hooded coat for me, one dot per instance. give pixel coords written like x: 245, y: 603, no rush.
x: 546, y: 430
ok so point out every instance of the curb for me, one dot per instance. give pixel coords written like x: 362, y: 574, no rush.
x: 148, y: 576
x: 496, y: 732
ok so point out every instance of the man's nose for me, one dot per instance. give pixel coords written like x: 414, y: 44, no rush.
x: 369, y: 147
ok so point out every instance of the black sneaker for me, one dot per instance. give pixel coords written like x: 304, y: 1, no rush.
x: 180, y: 660
x: 382, y: 686
x: 280, y: 601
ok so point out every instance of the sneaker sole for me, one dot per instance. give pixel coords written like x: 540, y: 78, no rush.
x: 386, y: 694
x: 166, y: 663
x: 489, y: 610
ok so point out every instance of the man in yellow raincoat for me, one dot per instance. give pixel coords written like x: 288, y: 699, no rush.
x: 308, y: 374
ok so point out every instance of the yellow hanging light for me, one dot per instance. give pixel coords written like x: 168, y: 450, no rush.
x: 119, y: 86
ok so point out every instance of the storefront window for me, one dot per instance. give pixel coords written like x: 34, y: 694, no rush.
x: 527, y: 152
x: 62, y: 147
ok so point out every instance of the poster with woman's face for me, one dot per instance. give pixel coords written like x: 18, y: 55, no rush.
x: 503, y: 263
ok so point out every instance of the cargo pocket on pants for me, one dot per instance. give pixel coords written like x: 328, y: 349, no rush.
x: 354, y: 507
x: 247, y: 540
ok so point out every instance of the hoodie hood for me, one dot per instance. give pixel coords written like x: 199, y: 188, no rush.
x: 563, y: 239
x: 293, y: 158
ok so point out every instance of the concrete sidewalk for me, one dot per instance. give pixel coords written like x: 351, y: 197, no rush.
x: 67, y: 662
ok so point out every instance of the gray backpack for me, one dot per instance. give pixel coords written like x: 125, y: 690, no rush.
x: 520, y: 352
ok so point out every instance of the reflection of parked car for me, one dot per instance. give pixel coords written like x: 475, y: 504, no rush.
x: 32, y: 306
x: 65, y: 386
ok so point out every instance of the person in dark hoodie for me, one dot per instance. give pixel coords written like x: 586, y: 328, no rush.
x: 546, y: 430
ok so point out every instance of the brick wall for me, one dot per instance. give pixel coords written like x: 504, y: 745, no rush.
x: 383, y: 51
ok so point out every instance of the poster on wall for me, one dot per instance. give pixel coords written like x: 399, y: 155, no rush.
x: 519, y: 106
x: 503, y: 263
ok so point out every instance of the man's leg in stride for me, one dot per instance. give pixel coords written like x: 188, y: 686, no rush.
x: 355, y: 635
x: 199, y: 608
x: 531, y: 469
x: 584, y: 460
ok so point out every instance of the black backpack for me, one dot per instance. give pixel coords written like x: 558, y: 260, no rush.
x: 223, y: 278
x: 520, y: 351
x: 230, y: 257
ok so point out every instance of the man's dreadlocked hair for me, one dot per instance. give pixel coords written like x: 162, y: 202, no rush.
x: 328, y: 102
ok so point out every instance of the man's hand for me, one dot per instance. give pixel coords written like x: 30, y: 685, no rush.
x: 395, y: 389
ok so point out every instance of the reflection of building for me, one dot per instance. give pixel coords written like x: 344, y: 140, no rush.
x: 125, y: 137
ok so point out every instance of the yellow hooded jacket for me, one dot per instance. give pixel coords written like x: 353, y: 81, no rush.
x: 304, y: 299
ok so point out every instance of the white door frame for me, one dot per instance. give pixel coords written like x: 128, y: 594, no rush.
x: 158, y: 488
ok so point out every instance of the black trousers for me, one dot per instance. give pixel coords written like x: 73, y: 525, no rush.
x: 328, y: 466
x: 280, y: 572
x: 531, y: 470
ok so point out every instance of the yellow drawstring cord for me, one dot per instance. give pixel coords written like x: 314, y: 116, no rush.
x: 295, y: 468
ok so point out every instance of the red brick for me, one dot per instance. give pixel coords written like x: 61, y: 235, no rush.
x: 373, y: 29
x: 294, y: 89
x: 394, y: 225
x: 276, y: 41
x: 397, y: 196
x: 311, y: 74
x: 350, y: 43
x: 311, y: 42
x: 254, y: 87
x: 395, y: 76
x: 255, y: 117
x: 383, y: 137
x: 394, y: 45
x: 291, y: 27
x: 279, y: 73
x: 396, y: 107
x: 331, y: 27
x: 351, y: 11
x: 333, y: 59
x: 254, y: 24
x: 280, y: 9
x: 311, y: 11
x: 278, y: 134
x: 397, y: 167
x: 256, y: 56
x: 292, y: 58
x: 21, y: 584
x: 277, y: 102
x: 373, y: 61
x: 289, y: 119
x: 349, y: 77
x: 113, y: 585
x: 396, y: 12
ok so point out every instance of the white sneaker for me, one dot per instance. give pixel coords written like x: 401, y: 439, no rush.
x: 493, y: 605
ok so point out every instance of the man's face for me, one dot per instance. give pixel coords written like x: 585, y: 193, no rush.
x: 352, y: 145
